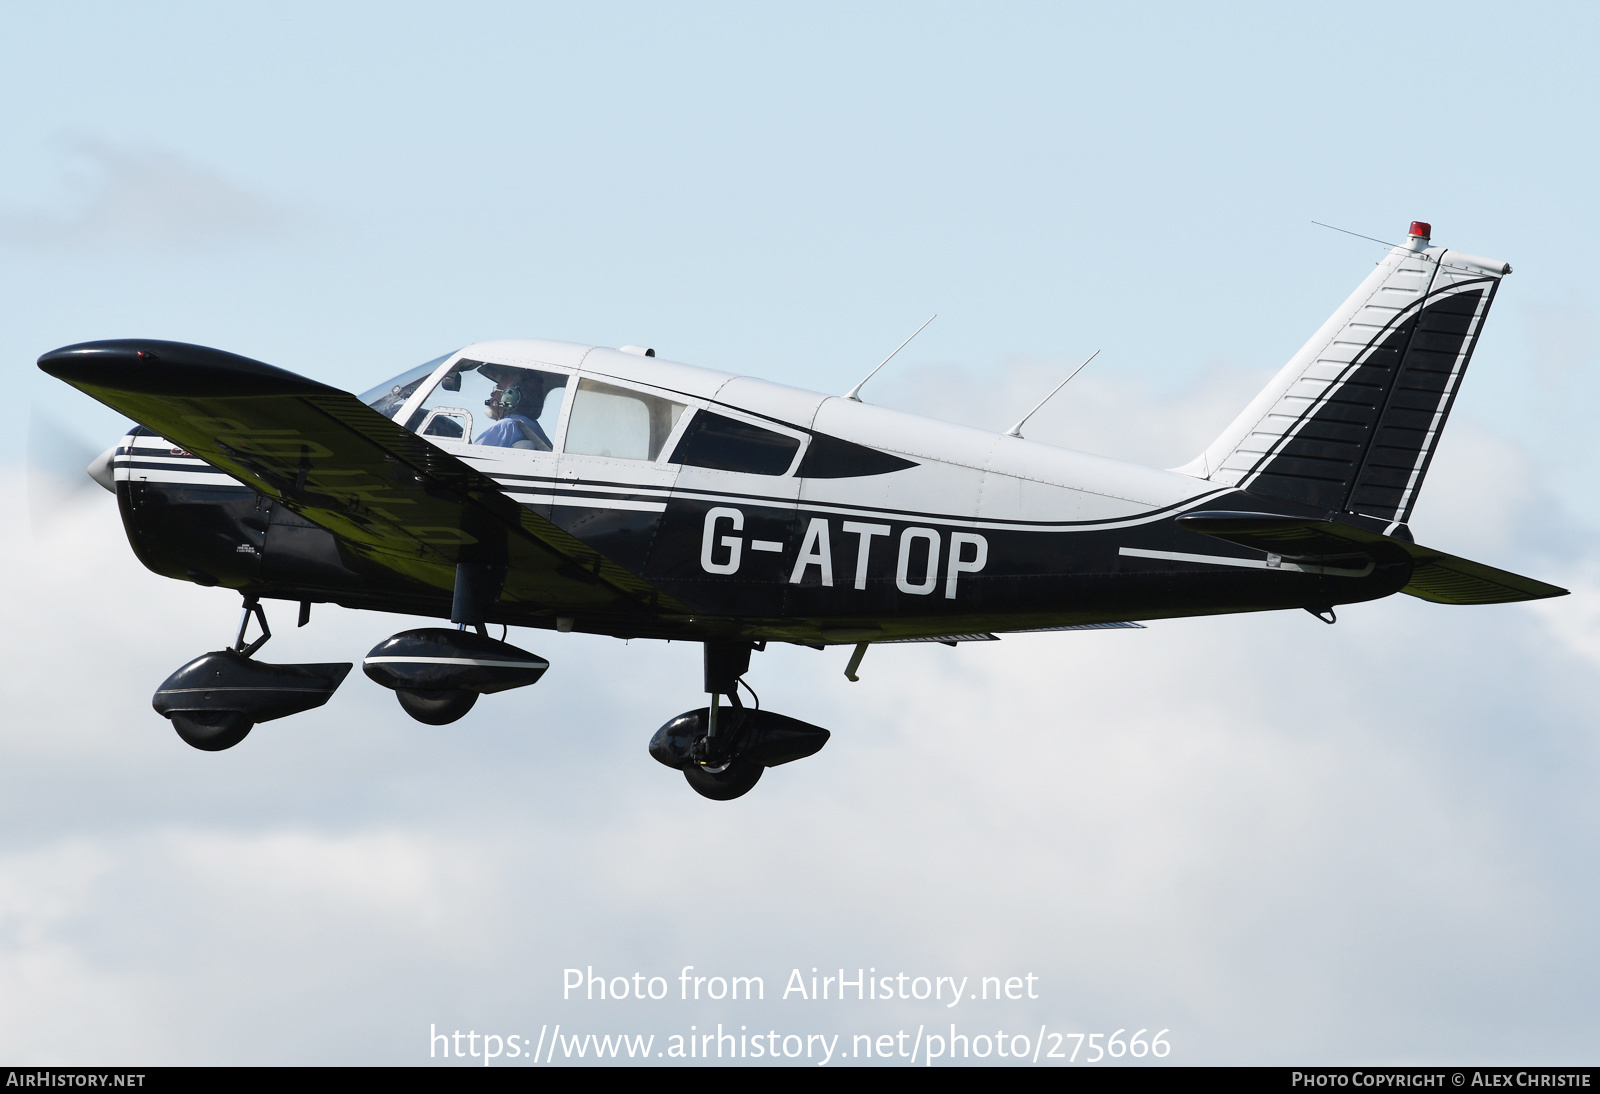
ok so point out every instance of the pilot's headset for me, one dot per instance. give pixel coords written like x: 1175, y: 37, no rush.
x: 510, y: 392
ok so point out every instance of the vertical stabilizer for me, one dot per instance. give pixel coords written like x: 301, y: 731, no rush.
x: 1350, y: 423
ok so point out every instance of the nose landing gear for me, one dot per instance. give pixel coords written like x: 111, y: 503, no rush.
x: 215, y: 700
x: 211, y: 730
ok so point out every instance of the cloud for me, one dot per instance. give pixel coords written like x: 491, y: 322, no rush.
x: 56, y: 1000
x: 1099, y: 411
x: 128, y: 195
x: 1280, y: 840
x: 119, y: 947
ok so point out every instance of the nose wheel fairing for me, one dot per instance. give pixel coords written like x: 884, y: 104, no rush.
x: 219, y: 696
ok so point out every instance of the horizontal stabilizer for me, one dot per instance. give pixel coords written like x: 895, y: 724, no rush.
x: 1435, y: 576
x: 1446, y: 579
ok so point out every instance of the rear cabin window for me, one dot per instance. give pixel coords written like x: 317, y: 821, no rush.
x: 617, y: 422
x: 725, y: 444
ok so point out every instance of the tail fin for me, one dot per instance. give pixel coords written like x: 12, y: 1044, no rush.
x: 1350, y: 423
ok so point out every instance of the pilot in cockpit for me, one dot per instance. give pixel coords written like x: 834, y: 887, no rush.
x: 516, y: 400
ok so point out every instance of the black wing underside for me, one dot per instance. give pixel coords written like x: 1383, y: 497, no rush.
x: 1435, y: 576
x: 391, y: 497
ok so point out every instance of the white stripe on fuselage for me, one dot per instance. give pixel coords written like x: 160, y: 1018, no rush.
x: 1248, y: 563
x: 145, y: 454
x: 473, y: 661
x: 574, y: 496
x: 588, y: 503
x: 181, y: 478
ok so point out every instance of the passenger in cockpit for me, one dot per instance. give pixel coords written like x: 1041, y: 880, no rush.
x: 517, y: 396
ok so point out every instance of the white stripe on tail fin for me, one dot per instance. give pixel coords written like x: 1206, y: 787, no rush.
x: 1350, y: 423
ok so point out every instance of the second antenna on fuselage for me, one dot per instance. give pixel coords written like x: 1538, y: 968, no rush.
x: 1016, y: 430
x: 855, y: 392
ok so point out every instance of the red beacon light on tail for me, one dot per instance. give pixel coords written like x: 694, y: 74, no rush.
x: 1421, y: 229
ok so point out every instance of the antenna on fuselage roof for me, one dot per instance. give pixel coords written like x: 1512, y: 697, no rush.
x: 855, y: 392
x: 1016, y: 430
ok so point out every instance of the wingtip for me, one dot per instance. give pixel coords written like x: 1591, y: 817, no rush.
x: 154, y: 366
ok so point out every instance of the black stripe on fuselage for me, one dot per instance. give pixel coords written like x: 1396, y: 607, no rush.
x: 1063, y: 571
x: 196, y: 467
x: 633, y: 491
x: 1055, y: 574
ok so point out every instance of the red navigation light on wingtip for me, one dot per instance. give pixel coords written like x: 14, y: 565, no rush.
x: 1421, y: 229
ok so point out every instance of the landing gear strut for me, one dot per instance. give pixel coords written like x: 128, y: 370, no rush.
x: 725, y: 663
x: 716, y: 770
x: 216, y: 700
x: 722, y: 751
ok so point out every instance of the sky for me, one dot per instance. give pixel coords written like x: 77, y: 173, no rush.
x: 1280, y: 842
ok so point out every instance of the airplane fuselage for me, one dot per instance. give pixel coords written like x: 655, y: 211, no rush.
x: 878, y: 524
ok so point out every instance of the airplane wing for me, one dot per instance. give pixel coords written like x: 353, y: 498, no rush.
x: 389, y: 495
x: 1435, y: 576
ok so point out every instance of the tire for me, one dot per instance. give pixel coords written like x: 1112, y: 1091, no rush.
x: 436, y: 708
x: 731, y: 782
x: 211, y: 730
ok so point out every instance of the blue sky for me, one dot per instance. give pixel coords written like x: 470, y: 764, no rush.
x: 1286, y: 842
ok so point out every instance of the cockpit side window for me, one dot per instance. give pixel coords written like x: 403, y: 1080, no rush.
x: 618, y: 422
x: 388, y: 398
x: 498, y: 406
x: 727, y: 444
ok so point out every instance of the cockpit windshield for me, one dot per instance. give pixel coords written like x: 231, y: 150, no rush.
x: 387, y: 398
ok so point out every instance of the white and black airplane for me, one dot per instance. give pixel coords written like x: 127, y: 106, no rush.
x: 568, y: 487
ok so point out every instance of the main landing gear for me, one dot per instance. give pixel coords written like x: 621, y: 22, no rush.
x: 216, y: 699
x: 438, y: 674
x: 723, y: 751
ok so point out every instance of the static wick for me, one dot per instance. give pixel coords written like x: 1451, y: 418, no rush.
x: 855, y: 392
x: 1016, y: 430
